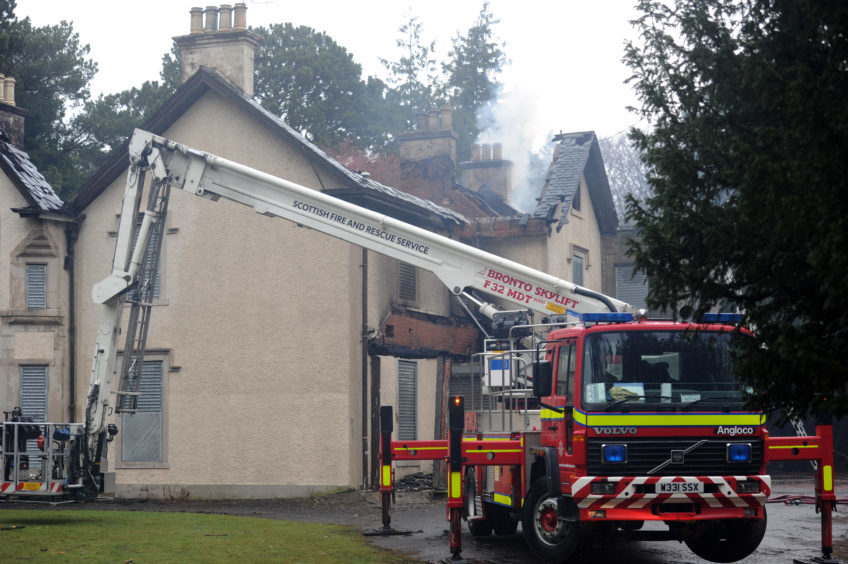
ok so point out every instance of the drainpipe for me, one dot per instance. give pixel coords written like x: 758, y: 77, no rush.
x: 71, y: 235
x: 364, y: 374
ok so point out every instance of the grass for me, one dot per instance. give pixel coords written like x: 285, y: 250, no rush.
x: 138, y: 537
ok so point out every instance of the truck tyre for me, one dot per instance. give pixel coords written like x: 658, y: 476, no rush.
x: 729, y: 540
x: 549, y: 538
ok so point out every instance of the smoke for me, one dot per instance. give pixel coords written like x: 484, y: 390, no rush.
x: 513, y: 120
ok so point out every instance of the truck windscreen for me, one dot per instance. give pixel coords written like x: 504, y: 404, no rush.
x: 642, y: 370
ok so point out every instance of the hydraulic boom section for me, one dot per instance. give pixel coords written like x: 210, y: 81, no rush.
x: 457, y: 265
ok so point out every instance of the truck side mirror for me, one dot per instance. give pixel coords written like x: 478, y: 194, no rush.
x: 543, y: 375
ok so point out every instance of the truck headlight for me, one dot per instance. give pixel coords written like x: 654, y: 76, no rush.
x: 738, y: 452
x: 614, y: 454
x: 748, y: 486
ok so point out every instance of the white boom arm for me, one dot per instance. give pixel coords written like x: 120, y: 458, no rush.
x: 457, y: 265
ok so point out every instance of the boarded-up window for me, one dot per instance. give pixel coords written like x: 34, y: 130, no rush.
x: 36, y: 286
x: 407, y: 282
x: 142, y: 431
x: 33, y: 403
x: 630, y: 288
x: 577, y: 268
x: 407, y: 400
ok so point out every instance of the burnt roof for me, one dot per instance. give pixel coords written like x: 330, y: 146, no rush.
x: 25, y: 176
x: 577, y: 154
x: 381, y: 198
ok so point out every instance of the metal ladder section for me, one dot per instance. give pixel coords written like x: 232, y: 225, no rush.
x: 140, y: 299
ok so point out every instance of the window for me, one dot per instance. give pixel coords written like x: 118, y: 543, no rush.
x: 407, y: 400
x: 33, y: 403
x: 407, y: 282
x: 36, y: 286
x: 565, y: 371
x: 142, y: 431
x: 575, y: 202
x: 642, y: 370
x: 577, y: 268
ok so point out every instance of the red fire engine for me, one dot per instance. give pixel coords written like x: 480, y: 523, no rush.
x: 606, y: 424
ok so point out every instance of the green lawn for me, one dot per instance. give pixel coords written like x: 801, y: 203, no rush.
x: 54, y: 535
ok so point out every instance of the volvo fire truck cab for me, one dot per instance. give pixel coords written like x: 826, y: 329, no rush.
x: 580, y: 427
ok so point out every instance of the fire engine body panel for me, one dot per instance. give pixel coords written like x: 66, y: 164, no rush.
x: 595, y: 434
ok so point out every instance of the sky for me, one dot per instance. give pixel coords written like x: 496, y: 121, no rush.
x: 565, y: 71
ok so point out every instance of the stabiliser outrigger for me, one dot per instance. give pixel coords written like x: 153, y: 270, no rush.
x: 619, y: 421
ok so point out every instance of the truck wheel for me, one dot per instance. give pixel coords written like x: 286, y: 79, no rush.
x: 548, y: 537
x: 727, y: 541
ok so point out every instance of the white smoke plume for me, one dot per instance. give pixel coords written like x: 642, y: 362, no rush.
x: 513, y: 120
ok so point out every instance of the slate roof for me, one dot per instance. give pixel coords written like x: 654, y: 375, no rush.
x: 25, y: 176
x: 576, y: 155
x: 353, y: 186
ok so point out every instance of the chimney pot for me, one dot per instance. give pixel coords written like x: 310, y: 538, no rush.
x: 9, y: 90
x: 196, y: 20
x: 487, y: 152
x: 475, y: 152
x: 421, y: 121
x: 497, y: 152
x: 433, y: 119
x: 240, y: 16
x: 211, y: 19
x: 447, y: 117
x: 225, y: 17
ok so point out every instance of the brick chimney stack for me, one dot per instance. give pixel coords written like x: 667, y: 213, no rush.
x: 219, y: 39
x: 11, y: 116
x: 488, y: 169
x: 428, y: 156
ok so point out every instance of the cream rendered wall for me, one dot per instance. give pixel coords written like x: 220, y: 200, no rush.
x: 553, y: 255
x: 261, y: 322
x: 31, y: 337
x: 581, y: 230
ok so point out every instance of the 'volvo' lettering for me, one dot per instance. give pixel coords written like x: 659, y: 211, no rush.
x: 615, y: 430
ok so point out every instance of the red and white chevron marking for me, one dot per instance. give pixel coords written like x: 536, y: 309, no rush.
x: 32, y: 487
x: 626, y: 495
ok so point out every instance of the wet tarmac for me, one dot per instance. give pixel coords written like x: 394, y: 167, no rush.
x: 793, y: 533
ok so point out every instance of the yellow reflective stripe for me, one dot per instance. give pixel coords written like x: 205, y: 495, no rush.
x: 496, y: 450
x: 672, y: 419
x: 579, y: 417
x: 551, y: 414
x: 503, y: 499
x: 422, y: 448
x: 793, y: 446
x: 387, y: 475
x: 455, y: 483
x: 827, y: 477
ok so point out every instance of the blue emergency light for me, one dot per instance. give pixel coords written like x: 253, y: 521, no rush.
x: 738, y: 452
x: 729, y: 318
x: 606, y: 317
x: 614, y: 454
